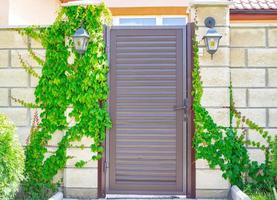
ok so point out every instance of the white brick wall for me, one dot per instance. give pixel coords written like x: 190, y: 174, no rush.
x: 248, y: 37
x: 215, y: 97
x: 80, y: 178
x: 272, y: 77
x: 20, y: 116
x: 15, y: 82
x: 249, y: 59
x: 210, y: 76
x: 272, y: 39
x: 210, y: 179
x: 15, y: 62
x: 247, y: 56
x: 4, y: 58
x: 240, y: 97
x: 272, y: 118
x: 12, y: 39
x: 221, y: 58
x: 262, y: 57
x: 215, y: 75
x: 237, y: 57
x: 254, y: 76
x: 26, y: 94
x: 248, y: 77
x: 4, y: 97
x: 13, y: 78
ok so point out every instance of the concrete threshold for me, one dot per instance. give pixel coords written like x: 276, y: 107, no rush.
x: 144, y: 197
x: 120, y: 196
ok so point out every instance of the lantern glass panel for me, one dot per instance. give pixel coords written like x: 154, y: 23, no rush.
x: 212, y: 43
x: 85, y: 45
x: 80, y: 44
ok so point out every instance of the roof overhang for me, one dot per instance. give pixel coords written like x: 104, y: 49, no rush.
x: 247, y: 14
x: 253, y: 11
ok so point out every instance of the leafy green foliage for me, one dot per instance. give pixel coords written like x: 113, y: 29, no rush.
x: 68, y: 80
x: 261, y: 177
x: 11, y: 160
x: 226, y: 147
x: 80, y: 164
x: 261, y: 196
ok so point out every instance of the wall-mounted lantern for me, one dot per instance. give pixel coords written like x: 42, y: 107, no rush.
x: 212, y: 37
x: 80, y: 40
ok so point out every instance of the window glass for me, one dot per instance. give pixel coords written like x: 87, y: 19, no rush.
x: 174, y: 21
x: 138, y: 21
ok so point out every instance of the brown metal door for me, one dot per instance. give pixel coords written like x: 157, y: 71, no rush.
x: 147, y: 81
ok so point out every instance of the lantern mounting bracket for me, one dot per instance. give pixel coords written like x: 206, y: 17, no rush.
x: 209, y: 22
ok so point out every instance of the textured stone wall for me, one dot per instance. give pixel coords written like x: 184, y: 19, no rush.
x: 215, y: 74
x: 15, y: 82
x: 247, y: 56
x: 253, y: 52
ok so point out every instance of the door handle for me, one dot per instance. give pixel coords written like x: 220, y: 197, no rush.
x: 179, y: 108
x: 183, y: 107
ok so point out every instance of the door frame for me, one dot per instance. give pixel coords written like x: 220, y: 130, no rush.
x: 190, y: 156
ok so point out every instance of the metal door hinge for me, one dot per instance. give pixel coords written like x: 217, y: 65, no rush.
x: 186, y: 103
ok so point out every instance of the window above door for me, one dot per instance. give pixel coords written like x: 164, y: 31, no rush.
x: 150, y: 20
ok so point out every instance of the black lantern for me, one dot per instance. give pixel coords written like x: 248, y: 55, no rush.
x: 80, y: 39
x: 212, y: 37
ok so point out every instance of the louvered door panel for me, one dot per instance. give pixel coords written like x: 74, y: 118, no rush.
x: 146, y: 141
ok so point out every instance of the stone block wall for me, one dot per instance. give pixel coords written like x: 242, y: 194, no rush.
x: 247, y: 55
x: 253, y: 67
x: 15, y: 82
x: 215, y: 75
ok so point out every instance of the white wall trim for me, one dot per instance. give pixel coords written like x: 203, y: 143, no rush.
x: 131, y: 3
x: 210, y: 2
x: 82, y: 3
x: 13, y: 27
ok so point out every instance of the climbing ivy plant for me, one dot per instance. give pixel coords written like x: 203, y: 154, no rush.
x: 77, y: 85
x: 226, y: 148
x: 69, y: 83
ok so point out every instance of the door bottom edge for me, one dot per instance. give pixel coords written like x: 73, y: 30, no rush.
x: 142, y: 196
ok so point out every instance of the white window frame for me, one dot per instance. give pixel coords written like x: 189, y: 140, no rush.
x: 159, y: 19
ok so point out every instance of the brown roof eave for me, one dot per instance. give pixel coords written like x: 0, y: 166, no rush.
x: 254, y: 11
